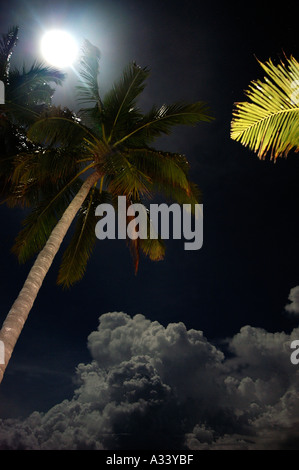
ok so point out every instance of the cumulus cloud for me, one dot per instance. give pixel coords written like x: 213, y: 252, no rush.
x: 154, y: 387
x: 293, y: 307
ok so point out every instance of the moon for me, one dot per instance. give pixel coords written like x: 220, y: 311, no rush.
x: 59, y: 48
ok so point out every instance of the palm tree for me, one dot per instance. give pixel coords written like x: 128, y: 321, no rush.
x: 108, y: 145
x: 269, y: 123
x: 27, y: 94
x: 27, y: 91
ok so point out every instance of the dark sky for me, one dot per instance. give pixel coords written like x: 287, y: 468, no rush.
x: 249, y: 261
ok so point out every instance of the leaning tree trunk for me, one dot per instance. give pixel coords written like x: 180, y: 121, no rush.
x: 14, y: 322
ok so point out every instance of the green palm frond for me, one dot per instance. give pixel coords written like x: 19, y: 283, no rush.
x: 59, y: 127
x: 163, y: 166
x: 45, y: 165
x: 22, y: 194
x: 24, y: 176
x: 80, y: 248
x: 28, y: 92
x: 161, y: 120
x: 153, y: 248
x: 192, y: 195
x: 120, y: 109
x: 12, y: 142
x: 92, y: 119
x: 124, y: 178
x: 7, y: 193
x: 56, y: 164
x: 24, y: 116
x: 37, y: 226
x: 168, y: 172
x: 269, y: 122
x: 25, y: 82
x: 24, y: 168
x: 88, y: 90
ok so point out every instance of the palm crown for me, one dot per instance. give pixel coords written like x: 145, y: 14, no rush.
x: 112, y: 137
x: 27, y: 93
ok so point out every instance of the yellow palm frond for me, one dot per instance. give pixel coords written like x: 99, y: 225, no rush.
x: 269, y: 122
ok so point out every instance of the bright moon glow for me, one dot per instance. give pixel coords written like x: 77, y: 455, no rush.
x: 59, y: 48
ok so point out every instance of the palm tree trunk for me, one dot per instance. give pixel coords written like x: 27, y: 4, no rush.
x: 15, y: 320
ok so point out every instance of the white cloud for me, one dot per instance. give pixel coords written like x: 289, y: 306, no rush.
x: 150, y: 386
x: 293, y: 307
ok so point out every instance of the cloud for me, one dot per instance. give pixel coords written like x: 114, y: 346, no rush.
x: 154, y: 387
x: 293, y: 307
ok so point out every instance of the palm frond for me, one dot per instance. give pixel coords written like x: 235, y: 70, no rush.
x: 38, y: 225
x: 269, y: 122
x: 22, y: 194
x: 124, y: 178
x: 58, y: 127
x: 161, y: 166
x: 88, y: 90
x: 192, y: 195
x: 29, y: 92
x: 79, y: 250
x: 13, y: 143
x: 26, y: 81
x: 161, y: 120
x: 169, y: 174
x: 22, y: 115
x: 92, y: 118
x: 120, y: 103
x: 24, y: 168
x: 153, y: 248
x: 58, y: 163
x: 7, y: 193
x: 45, y: 165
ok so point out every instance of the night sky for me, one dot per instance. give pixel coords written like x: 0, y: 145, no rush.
x: 148, y: 376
